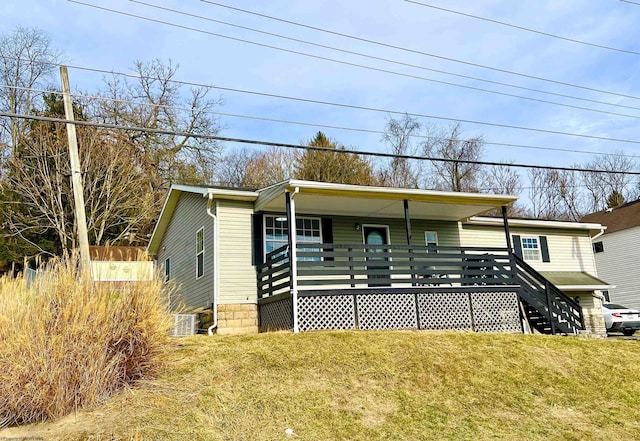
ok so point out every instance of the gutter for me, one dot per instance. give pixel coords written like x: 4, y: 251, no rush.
x: 599, y: 234
x: 216, y: 267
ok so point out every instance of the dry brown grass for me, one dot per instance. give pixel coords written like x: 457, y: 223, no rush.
x: 375, y: 386
x: 67, y: 344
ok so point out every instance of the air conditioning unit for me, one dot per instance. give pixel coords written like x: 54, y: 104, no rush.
x: 184, y: 325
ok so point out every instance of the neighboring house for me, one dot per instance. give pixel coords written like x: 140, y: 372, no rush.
x: 373, y: 258
x: 120, y: 264
x: 617, y: 252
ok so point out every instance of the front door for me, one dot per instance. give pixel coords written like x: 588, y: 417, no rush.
x: 376, y: 261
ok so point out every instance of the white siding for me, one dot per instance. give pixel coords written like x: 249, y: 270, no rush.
x: 238, y: 282
x: 179, y: 244
x: 619, y: 265
x: 569, y: 250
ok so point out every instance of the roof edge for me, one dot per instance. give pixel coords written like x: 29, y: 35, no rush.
x: 492, y: 221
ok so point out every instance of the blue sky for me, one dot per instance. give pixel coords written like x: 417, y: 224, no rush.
x: 99, y: 39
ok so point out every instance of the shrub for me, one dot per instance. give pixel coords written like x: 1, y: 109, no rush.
x: 68, y: 343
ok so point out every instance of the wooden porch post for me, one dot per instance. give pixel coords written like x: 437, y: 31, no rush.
x: 506, y: 228
x: 407, y: 221
x: 293, y: 254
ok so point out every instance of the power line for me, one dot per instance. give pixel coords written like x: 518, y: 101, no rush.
x: 522, y: 28
x: 426, y: 54
x: 310, y: 124
x: 387, y: 60
x: 306, y: 147
x: 375, y: 69
x: 351, y: 106
x: 628, y: 1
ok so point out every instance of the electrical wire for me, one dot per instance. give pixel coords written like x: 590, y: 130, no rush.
x: 350, y: 106
x: 522, y: 28
x: 310, y: 124
x: 387, y: 60
x: 426, y: 54
x: 347, y: 63
x: 187, y: 134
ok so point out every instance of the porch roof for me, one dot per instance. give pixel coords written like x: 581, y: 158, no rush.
x: 575, y: 281
x: 356, y: 200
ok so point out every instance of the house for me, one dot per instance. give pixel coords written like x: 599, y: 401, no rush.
x: 617, y: 252
x: 374, y: 258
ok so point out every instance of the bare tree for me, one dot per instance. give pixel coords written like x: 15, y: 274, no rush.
x: 601, y: 186
x: 503, y: 179
x: 27, y: 61
x: 244, y: 168
x: 554, y: 194
x: 154, y: 100
x: 118, y: 199
x: 398, y: 135
x: 452, y: 175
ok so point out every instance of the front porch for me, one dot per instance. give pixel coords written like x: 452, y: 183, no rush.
x: 341, y: 284
x: 358, y: 286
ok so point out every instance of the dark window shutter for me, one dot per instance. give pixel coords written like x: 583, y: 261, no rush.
x: 258, y: 242
x: 327, y: 233
x: 517, y: 245
x: 544, y: 249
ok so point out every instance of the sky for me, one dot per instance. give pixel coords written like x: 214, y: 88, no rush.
x: 95, y: 38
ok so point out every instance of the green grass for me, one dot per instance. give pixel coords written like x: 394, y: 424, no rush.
x: 377, y: 386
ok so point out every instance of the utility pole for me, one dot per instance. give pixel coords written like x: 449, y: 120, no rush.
x: 76, y: 175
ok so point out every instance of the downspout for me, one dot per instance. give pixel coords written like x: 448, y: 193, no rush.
x: 216, y: 268
x: 599, y: 234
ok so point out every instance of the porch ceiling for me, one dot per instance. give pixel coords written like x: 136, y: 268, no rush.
x: 361, y: 201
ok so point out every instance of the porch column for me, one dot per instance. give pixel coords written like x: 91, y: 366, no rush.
x: 505, y: 220
x: 407, y: 221
x: 293, y: 254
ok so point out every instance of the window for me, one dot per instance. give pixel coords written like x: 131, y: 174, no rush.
x: 530, y: 248
x: 598, y: 247
x: 167, y: 269
x: 199, y: 253
x: 431, y: 239
x: 308, y: 230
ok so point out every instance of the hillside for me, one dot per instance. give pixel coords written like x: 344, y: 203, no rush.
x: 375, y: 386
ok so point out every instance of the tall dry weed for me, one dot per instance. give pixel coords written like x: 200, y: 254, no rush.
x: 67, y: 343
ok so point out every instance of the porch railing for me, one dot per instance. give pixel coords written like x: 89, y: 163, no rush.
x: 323, y: 268
x: 274, y: 275
x: 332, y: 266
x: 548, y: 309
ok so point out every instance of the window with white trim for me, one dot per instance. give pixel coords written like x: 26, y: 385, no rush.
x: 308, y: 231
x: 431, y: 239
x: 199, y: 253
x: 530, y: 248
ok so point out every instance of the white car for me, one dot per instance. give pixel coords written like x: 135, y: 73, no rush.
x: 618, y: 318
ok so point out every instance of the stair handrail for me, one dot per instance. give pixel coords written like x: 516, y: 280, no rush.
x: 550, y: 288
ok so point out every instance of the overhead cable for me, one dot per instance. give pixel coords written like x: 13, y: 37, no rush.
x: 522, y: 28
x: 347, y: 63
x: 426, y: 54
x: 387, y: 60
x: 311, y: 124
x: 187, y: 134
